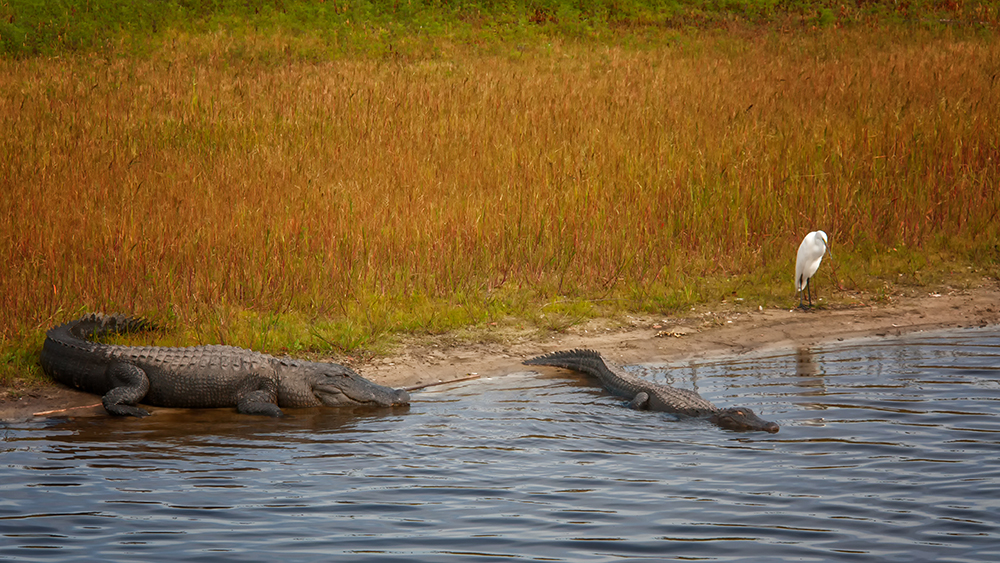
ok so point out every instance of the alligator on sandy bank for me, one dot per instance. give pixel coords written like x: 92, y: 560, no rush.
x: 645, y: 395
x: 197, y: 377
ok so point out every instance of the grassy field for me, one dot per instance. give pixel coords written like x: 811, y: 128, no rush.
x: 286, y: 190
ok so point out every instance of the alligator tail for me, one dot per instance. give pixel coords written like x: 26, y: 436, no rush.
x: 585, y: 361
x: 98, y: 325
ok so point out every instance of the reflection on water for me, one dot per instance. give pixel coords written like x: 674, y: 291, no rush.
x: 887, y: 451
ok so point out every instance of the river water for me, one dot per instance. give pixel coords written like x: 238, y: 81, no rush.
x: 888, y: 451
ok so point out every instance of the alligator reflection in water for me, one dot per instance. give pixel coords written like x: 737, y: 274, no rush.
x: 540, y: 467
x: 197, y: 426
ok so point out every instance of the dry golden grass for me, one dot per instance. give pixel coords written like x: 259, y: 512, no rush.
x: 247, y: 200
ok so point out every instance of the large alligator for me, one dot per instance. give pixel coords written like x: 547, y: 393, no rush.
x: 197, y: 377
x: 645, y: 395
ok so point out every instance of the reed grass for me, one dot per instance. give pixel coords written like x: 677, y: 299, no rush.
x: 299, y: 205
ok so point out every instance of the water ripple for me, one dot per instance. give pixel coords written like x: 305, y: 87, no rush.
x: 887, y: 451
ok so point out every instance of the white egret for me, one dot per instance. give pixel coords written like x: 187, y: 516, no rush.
x: 811, y: 252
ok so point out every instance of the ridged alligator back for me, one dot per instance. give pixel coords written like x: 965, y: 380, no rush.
x: 619, y: 382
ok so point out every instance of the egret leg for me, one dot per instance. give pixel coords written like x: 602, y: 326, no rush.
x: 807, y: 293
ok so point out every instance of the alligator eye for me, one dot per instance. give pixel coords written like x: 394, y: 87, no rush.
x: 740, y: 413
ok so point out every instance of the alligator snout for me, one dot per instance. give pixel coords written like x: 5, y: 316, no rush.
x: 742, y: 419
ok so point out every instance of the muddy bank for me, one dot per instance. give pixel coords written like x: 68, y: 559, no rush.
x: 707, y: 333
x: 701, y: 334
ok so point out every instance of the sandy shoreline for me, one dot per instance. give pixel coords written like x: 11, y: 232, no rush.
x: 716, y: 332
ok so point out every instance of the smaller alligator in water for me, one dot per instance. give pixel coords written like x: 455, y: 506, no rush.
x: 645, y: 395
x: 199, y: 376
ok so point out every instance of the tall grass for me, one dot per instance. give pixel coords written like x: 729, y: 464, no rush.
x: 308, y: 205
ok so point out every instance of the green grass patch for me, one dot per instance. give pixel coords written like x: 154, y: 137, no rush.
x: 321, y: 28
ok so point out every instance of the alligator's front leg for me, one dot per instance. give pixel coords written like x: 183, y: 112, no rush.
x: 259, y: 395
x: 129, y: 386
x: 640, y: 402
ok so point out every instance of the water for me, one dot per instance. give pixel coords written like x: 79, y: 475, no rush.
x: 887, y: 452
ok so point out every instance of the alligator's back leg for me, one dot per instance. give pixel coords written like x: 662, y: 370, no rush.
x: 640, y: 402
x: 129, y: 386
x: 259, y: 395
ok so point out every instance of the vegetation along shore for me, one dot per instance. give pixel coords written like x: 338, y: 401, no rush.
x: 333, y: 179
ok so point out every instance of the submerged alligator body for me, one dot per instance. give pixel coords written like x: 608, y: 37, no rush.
x: 197, y: 377
x: 645, y: 395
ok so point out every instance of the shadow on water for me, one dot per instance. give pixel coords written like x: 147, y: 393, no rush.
x: 193, y: 426
x: 887, y: 452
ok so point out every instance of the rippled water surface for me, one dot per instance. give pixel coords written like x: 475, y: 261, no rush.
x: 888, y: 451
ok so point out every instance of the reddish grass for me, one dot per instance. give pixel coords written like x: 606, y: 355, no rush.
x: 376, y: 196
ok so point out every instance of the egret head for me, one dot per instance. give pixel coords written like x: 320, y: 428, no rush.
x: 826, y: 242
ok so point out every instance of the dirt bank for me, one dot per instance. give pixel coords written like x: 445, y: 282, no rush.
x: 700, y: 334
x: 724, y: 330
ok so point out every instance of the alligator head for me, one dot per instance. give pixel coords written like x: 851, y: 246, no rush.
x: 742, y: 419
x: 335, y: 385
